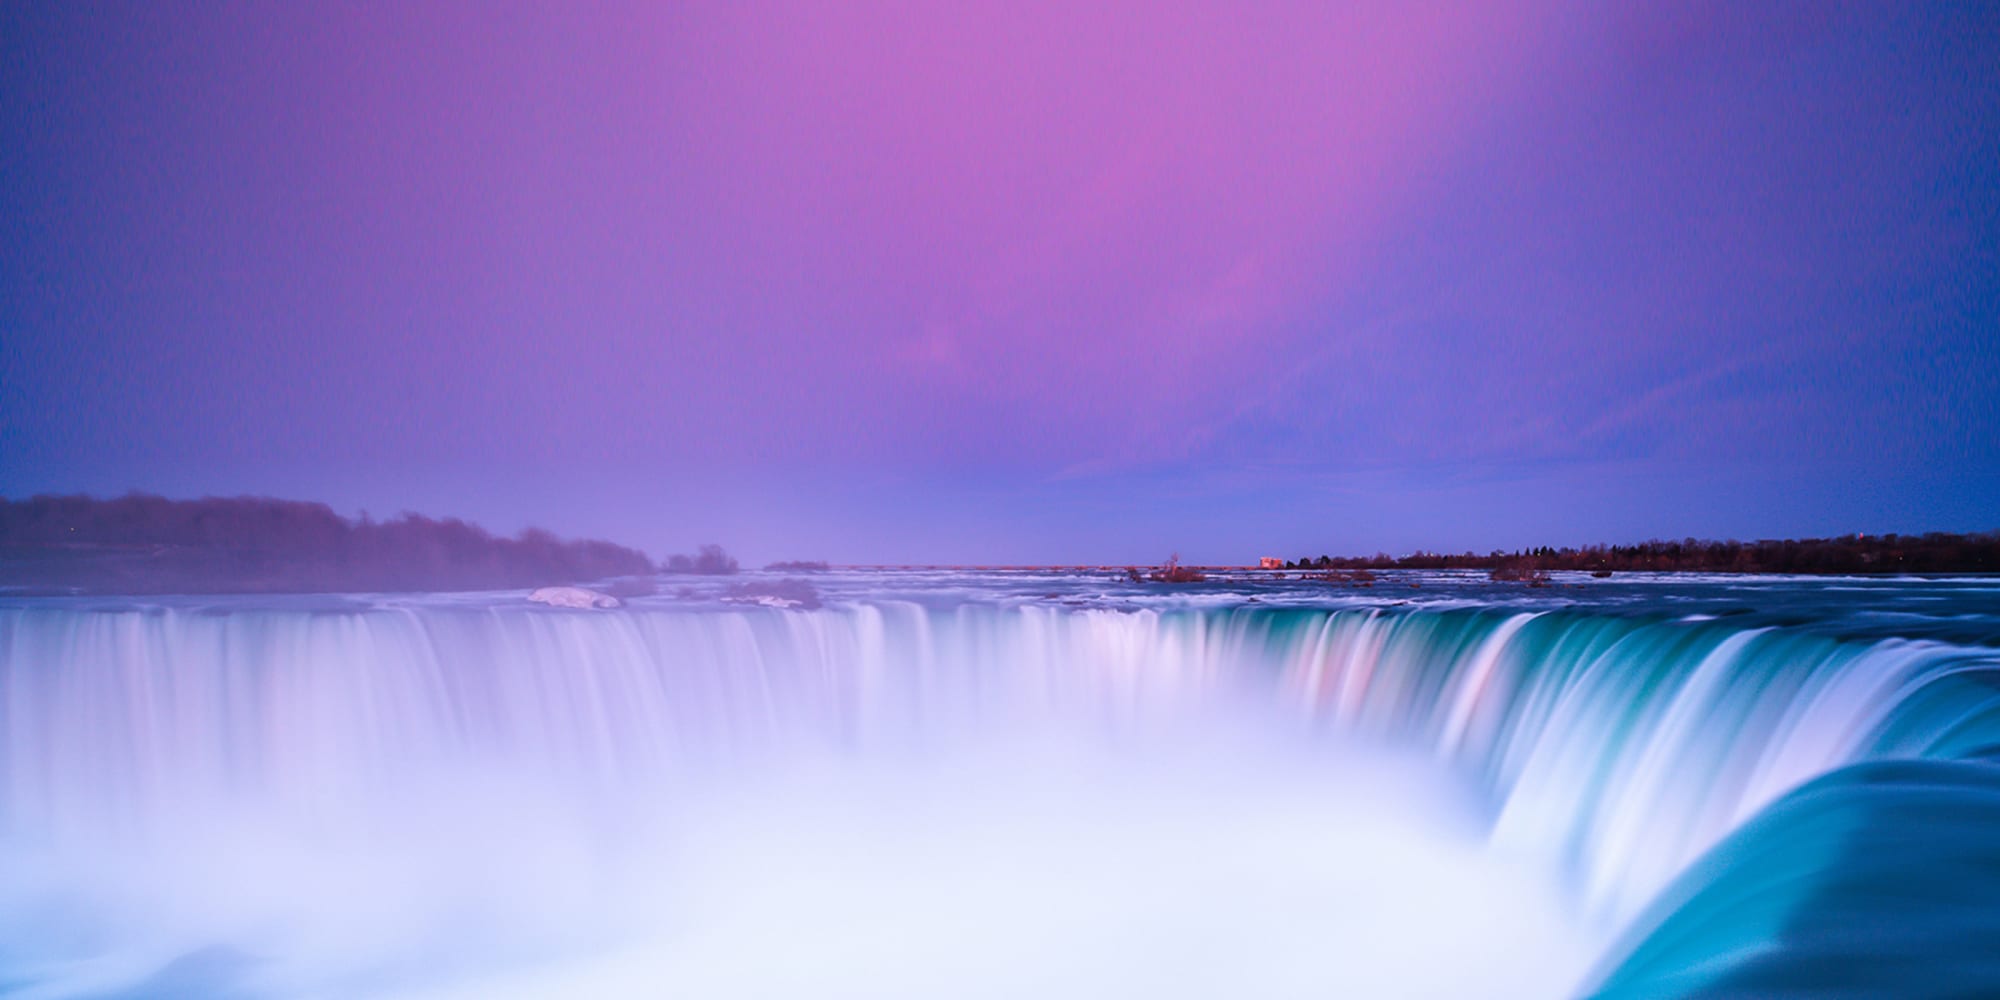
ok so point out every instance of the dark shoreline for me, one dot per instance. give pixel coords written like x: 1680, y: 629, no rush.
x: 143, y: 545
x: 1846, y: 555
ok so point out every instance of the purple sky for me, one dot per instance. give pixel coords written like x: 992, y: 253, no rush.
x: 905, y: 282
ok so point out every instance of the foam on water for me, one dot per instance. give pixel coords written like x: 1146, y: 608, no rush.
x: 1064, y: 870
x: 912, y: 794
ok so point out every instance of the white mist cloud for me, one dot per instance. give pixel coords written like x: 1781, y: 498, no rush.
x: 1189, y: 864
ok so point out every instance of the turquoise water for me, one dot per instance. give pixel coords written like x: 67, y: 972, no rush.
x: 991, y: 784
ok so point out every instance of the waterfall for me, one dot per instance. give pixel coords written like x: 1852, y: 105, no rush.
x: 1618, y: 748
x: 1628, y: 744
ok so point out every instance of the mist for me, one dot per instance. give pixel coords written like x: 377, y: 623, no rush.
x: 1197, y: 862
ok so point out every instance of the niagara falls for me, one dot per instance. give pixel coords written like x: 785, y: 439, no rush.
x: 999, y: 500
x: 1002, y: 783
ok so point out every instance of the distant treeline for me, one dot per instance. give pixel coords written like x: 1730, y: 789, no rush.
x: 1928, y: 553
x: 711, y: 560
x: 142, y: 544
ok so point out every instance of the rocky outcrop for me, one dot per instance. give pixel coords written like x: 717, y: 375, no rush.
x: 573, y: 597
x: 789, y: 594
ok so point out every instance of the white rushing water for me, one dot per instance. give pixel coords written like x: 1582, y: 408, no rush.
x: 892, y: 799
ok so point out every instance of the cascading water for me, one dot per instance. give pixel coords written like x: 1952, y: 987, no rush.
x: 434, y: 798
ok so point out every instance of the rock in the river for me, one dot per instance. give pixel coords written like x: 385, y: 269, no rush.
x: 775, y: 594
x: 573, y: 597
